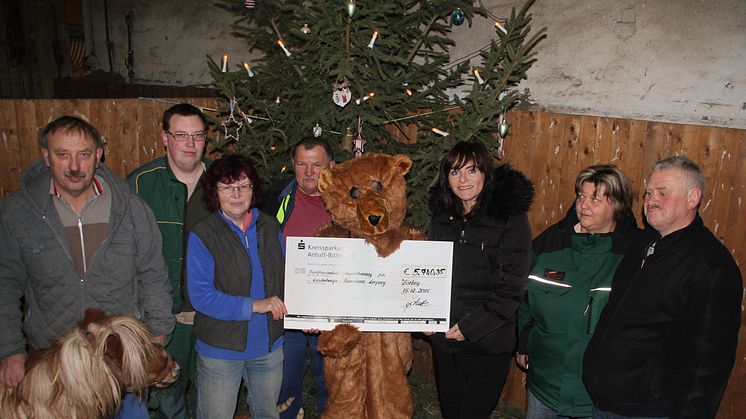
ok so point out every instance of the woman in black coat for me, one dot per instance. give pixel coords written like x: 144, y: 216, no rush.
x: 482, y: 210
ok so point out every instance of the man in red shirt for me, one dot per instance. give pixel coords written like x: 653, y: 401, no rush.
x: 301, y: 212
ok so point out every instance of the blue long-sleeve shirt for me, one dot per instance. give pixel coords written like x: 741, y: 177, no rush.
x: 214, y: 303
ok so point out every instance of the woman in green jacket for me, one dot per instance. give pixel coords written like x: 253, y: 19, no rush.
x: 568, y: 287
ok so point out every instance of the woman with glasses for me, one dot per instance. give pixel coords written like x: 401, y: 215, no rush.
x: 235, y: 277
x: 482, y: 210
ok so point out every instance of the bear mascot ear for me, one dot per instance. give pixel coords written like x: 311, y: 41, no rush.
x: 403, y: 163
x: 325, y: 179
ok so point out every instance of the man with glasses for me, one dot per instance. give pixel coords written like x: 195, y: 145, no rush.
x: 171, y: 186
x: 301, y: 212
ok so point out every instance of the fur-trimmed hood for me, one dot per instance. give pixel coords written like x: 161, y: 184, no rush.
x: 511, y: 193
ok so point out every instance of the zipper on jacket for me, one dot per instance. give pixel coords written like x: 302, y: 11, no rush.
x: 649, y: 251
x: 82, y: 250
x: 462, y: 236
x: 269, y: 315
x: 588, y: 313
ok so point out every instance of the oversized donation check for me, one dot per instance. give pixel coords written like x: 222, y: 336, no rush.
x: 330, y: 281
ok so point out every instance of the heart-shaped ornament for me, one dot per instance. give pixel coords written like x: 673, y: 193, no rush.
x: 341, y: 97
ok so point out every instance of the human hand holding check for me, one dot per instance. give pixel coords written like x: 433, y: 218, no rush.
x: 271, y: 305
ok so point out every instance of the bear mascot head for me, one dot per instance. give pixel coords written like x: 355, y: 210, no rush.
x: 367, y: 198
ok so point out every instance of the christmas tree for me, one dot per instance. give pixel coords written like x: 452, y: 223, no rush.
x: 358, y: 73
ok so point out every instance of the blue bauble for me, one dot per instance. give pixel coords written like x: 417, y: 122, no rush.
x: 458, y: 17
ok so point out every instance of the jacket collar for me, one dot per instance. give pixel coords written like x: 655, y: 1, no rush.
x: 37, y: 178
x: 288, y: 189
x: 205, y: 164
x: 254, y: 218
x: 678, y: 238
x: 621, y: 232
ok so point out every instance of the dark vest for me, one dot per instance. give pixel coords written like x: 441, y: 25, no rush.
x: 233, y: 277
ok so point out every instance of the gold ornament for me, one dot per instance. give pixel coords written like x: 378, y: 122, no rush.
x: 347, y: 140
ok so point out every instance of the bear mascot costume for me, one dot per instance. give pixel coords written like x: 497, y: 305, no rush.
x: 366, y: 372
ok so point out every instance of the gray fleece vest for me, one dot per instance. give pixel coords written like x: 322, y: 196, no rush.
x: 233, y: 277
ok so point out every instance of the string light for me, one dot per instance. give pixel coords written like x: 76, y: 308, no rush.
x: 500, y: 26
x: 440, y: 132
x: 282, y: 45
x: 225, y: 63
x: 478, y: 76
x: 248, y: 69
x: 373, y: 39
x: 364, y: 98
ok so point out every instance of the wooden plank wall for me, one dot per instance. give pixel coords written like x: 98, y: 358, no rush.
x: 550, y: 148
x: 131, y: 128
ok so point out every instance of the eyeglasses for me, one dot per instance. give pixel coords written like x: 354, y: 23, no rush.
x: 183, y: 137
x: 242, y: 188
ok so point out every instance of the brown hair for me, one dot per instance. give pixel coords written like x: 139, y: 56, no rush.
x: 617, y: 186
x: 229, y: 169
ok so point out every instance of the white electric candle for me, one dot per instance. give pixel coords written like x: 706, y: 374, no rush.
x: 248, y: 69
x: 478, y: 76
x: 373, y: 39
x: 364, y: 98
x: 282, y: 45
x: 500, y: 26
x: 225, y: 63
x: 440, y: 132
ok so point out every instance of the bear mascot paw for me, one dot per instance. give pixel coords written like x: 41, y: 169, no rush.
x: 366, y: 372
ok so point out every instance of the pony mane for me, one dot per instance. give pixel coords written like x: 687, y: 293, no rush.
x: 68, y: 377
x: 85, y: 372
x: 135, y: 350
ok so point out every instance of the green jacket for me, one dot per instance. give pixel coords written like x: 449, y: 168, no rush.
x: 157, y: 185
x: 567, y: 289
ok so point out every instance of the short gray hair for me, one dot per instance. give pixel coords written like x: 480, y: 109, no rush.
x: 70, y: 124
x: 691, y: 169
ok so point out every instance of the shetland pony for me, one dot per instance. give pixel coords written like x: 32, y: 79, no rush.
x: 84, y: 374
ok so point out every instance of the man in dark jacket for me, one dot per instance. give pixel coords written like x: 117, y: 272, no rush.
x: 301, y: 212
x: 74, y: 237
x: 171, y: 187
x: 666, y: 341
